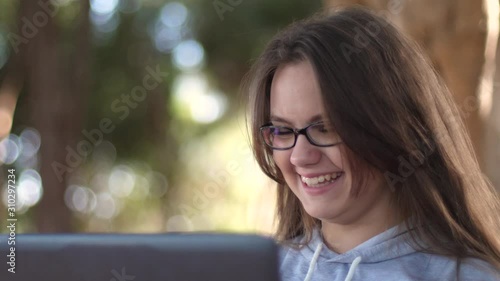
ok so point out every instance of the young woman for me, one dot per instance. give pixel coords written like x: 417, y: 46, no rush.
x: 376, y: 176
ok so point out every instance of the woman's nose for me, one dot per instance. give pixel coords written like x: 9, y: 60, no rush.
x: 304, y: 153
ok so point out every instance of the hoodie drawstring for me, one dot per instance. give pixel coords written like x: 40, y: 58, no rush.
x: 313, y: 262
x: 353, y: 267
x: 314, y: 259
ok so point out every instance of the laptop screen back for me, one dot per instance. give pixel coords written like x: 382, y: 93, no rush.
x: 141, y: 257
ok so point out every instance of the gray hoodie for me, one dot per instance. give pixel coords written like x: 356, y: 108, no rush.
x: 385, y: 257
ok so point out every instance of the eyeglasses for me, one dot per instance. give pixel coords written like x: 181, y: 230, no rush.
x: 283, y: 138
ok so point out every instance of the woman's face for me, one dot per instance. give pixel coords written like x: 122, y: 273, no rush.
x: 318, y: 176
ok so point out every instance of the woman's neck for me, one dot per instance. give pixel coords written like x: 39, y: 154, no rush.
x: 342, y: 237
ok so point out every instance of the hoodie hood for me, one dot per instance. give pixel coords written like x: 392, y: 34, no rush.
x: 388, y: 256
x: 385, y: 246
x: 391, y: 244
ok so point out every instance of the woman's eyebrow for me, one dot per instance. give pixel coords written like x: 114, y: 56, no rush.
x: 315, y: 118
x: 275, y: 118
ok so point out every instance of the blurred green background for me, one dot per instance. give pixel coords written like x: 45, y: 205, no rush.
x: 128, y: 114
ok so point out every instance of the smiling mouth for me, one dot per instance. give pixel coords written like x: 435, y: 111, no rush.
x: 322, y: 180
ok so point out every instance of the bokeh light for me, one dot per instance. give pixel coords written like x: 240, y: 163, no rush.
x: 202, y: 222
x: 99, y: 180
x: 188, y: 55
x: 208, y: 108
x: 174, y: 14
x: 80, y: 199
x: 166, y: 38
x: 104, y: 154
x: 122, y: 186
x: 106, y: 207
x: 193, y: 94
x: 105, y: 20
x: 29, y: 189
x: 179, y: 223
x: 169, y: 28
x: 105, y: 23
x: 31, y: 141
x: 10, y: 148
x: 103, y: 6
x: 121, y: 181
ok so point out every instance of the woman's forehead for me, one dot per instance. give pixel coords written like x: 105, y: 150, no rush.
x: 295, y: 94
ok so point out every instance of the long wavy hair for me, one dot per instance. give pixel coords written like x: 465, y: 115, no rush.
x: 393, y: 114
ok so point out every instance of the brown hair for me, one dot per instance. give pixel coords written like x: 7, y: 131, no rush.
x: 394, y: 114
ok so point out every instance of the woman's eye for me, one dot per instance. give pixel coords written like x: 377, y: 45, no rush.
x: 323, y: 129
x: 281, y: 131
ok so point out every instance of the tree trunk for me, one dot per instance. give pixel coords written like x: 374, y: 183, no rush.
x: 56, y: 90
x: 44, y: 88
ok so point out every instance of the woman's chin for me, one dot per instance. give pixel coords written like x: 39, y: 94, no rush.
x: 321, y: 213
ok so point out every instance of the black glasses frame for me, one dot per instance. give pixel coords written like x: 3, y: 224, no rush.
x: 296, y: 133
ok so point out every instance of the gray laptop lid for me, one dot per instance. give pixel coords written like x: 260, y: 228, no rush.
x: 140, y: 257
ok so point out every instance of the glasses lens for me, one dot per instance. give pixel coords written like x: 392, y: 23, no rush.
x: 323, y: 134
x: 278, y: 137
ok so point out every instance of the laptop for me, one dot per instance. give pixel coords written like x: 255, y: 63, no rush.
x: 139, y: 257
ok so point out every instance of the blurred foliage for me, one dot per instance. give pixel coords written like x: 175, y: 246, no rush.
x: 160, y: 169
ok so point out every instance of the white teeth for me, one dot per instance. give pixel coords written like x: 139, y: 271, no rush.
x: 321, y: 179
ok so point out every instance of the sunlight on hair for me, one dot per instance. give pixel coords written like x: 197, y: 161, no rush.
x: 487, y: 85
